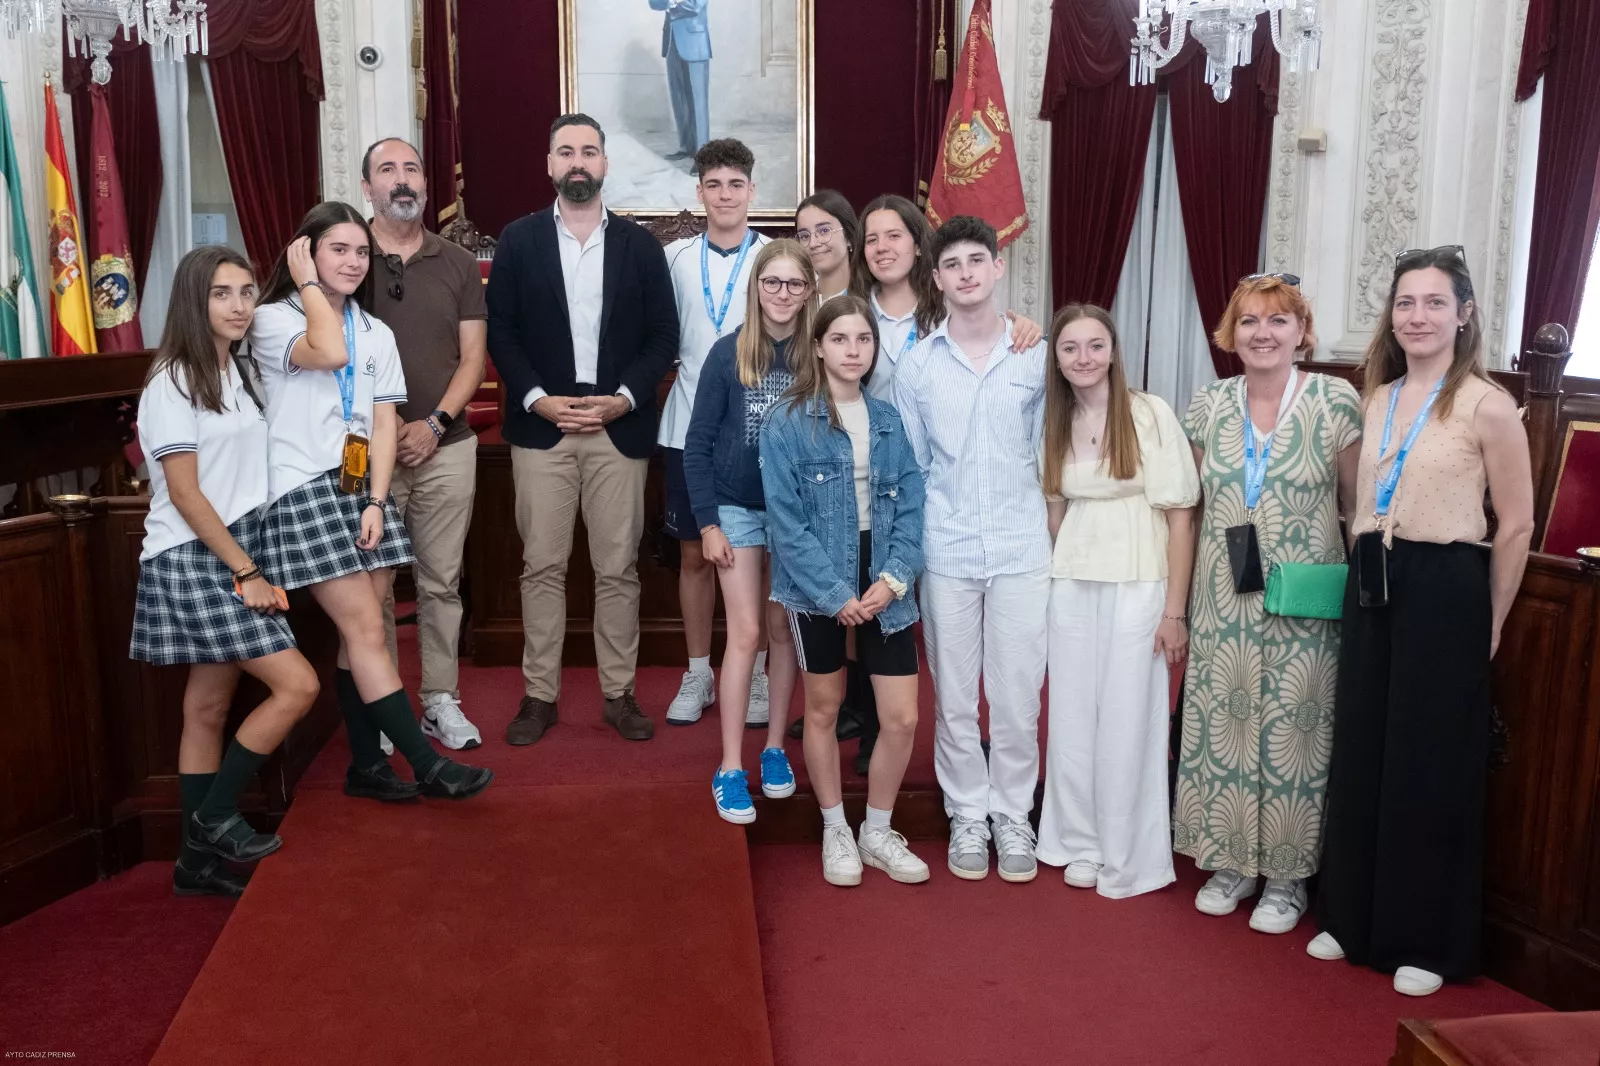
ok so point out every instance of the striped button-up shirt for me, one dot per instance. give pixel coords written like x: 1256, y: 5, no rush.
x: 976, y: 437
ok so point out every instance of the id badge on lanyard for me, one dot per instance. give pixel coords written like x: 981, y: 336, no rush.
x: 354, y: 459
x: 1244, y: 550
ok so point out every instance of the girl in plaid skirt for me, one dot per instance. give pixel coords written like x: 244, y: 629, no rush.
x: 203, y: 600
x: 333, y: 379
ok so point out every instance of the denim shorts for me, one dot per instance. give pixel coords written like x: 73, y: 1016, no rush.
x: 743, y: 527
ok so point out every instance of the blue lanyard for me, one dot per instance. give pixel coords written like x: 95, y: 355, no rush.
x: 1388, y: 482
x: 910, y: 342
x: 720, y: 315
x: 1255, y: 468
x: 347, y: 377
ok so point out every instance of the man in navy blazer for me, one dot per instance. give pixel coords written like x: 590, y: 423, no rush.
x: 686, y: 45
x: 582, y: 328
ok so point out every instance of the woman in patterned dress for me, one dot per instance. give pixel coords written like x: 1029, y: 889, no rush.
x: 1258, y: 693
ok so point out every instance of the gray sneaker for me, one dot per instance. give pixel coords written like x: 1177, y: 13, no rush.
x: 1013, y: 842
x: 969, y: 848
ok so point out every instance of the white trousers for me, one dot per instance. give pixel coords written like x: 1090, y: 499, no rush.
x: 993, y: 631
x: 1105, y: 786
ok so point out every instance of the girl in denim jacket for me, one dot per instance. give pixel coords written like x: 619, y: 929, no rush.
x: 844, y: 503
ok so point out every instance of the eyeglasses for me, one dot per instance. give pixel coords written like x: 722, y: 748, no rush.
x: 822, y: 234
x: 772, y: 285
x: 1292, y: 280
x: 1454, y: 251
x: 397, y: 287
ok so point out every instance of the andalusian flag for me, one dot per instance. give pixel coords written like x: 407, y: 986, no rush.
x: 72, y: 323
x: 21, y: 320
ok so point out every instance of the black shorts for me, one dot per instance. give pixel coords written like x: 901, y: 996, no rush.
x: 677, y: 514
x: 819, y: 639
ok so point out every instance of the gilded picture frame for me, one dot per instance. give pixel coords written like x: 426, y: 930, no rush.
x: 660, y: 75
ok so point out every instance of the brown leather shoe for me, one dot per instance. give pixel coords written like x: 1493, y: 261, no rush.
x: 534, y: 716
x: 624, y: 713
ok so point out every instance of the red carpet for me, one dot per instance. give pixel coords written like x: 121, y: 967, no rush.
x: 529, y: 925
x: 958, y: 972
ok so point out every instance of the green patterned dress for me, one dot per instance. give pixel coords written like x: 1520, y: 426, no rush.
x: 1258, y: 692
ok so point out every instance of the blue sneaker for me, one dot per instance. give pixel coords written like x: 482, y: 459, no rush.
x: 731, y: 790
x: 777, y: 779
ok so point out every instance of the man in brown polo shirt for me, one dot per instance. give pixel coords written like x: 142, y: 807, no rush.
x: 430, y: 293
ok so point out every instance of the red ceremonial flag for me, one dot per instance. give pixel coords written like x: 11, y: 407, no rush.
x: 976, y: 172
x: 111, y: 287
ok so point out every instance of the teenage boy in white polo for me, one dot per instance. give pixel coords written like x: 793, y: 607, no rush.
x: 973, y: 410
x: 710, y: 275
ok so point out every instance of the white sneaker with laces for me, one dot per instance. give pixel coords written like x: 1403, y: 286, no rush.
x: 1082, y: 873
x: 695, y: 694
x: 1014, y: 842
x: 1221, y: 894
x: 886, y: 850
x: 1324, y: 947
x: 442, y: 719
x: 1415, y: 981
x: 1280, y: 906
x: 968, y: 857
x: 385, y: 745
x: 758, y: 712
x: 841, y: 862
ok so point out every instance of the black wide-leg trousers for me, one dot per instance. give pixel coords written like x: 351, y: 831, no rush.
x: 1402, y: 866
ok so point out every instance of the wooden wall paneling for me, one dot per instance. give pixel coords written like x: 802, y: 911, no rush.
x: 1575, y: 973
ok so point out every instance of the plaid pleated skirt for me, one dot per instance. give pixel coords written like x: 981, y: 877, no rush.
x: 186, y: 611
x: 310, y: 535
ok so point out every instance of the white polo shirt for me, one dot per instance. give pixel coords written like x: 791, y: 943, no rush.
x: 230, y: 447
x: 896, y: 338
x: 696, y: 330
x: 305, y: 416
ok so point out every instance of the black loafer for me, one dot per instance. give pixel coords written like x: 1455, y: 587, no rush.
x: 379, y: 782
x: 212, y: 879
x: 453, y: 780
x: 232, y: 838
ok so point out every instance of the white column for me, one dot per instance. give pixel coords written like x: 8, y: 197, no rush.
x: 1022, y: 42
x: 364, y: 103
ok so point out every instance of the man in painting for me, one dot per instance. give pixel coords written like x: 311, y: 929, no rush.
x: 686, y: 45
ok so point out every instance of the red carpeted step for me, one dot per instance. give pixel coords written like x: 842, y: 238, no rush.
x: 539, y: 925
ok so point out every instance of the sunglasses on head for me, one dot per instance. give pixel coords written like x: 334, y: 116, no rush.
x: 1454, y: 251
x: 1292, y: 280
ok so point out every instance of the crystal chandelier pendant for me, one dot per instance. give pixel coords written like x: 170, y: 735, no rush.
x: 1226, y: 30
x: 172, y: 28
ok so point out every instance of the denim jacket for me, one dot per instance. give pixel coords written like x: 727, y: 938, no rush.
x: 807, y: 470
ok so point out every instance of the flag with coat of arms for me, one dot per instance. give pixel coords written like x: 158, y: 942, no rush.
x: 22, y: 332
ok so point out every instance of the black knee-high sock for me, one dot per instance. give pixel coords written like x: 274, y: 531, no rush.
x: 364, y: 750
x: 239, y: 765
x: 192, y: 789
x: 393, y: 715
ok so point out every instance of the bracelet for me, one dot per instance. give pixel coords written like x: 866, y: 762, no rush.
x: 249, y: 574
x: 374, y: 501
x: 306, y: 284
x: 1177, y: 618
x: 434, y: 426
x: 896, y: 586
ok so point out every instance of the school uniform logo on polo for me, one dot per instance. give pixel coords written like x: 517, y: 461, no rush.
x: 371, y: 369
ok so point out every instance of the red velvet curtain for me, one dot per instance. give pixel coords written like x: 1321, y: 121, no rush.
x: 1566, y: 202
x: 441, y: 132
x: 1100, y: 132
x: 131, y: 101
x: 864, y: 118
x: 1223, y: 156
x: 266, y: 77
x: 930, y: 97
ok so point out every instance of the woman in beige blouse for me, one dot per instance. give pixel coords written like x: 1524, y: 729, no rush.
x: 1121, y: 488
x: 1403, y: 853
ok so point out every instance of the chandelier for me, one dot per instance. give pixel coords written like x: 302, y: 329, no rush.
x: 175, y: 27
x: 1225, y: 28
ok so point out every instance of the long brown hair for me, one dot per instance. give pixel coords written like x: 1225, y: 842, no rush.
x: 1120, y: 449
x: 930, y: 301
x: 754, y: 352
x: 318, y: 221
x: 188, y: 350
x: 1386, y: 360
x: 832, y: 202
x: 810, y: 376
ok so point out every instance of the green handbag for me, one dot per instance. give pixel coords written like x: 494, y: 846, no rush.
x: 1306, y: 590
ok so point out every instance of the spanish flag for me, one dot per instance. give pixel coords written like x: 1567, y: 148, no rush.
x: 71, y: 322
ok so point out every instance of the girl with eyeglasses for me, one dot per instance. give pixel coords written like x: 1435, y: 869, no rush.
x: 204, y: 597
x: 825, y: 224
x: 333, y: 381
x: 743, y: 376
x: 1402, y: 872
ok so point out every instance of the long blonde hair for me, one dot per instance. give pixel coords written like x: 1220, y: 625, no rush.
x: 810, y: 376
x: 1386, y: 360
x: 1120, y: 450
x: 754, y: 352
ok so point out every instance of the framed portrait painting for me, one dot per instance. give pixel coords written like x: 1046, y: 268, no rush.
x: 662, y: 77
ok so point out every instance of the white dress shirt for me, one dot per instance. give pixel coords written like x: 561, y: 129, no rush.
x: 896, y: 338
x: 976, y: 437
x: 583, y: 271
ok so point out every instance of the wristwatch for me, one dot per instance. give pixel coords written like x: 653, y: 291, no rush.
x: 443, y: 419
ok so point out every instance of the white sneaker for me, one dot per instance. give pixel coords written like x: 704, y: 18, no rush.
x: 968, y: 857
x: 695, y: 694
x: 1413, y: 981
x: 758, y: 711
x: 1280, y: 906
x: 442, y: 719
x: 841, y: 862
x: 1221, y: 894
x: 1013, y: 845
x: 385, y: 745
x: 886, y: 850
x: 1324, y: 947
x: 1082, y: 873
